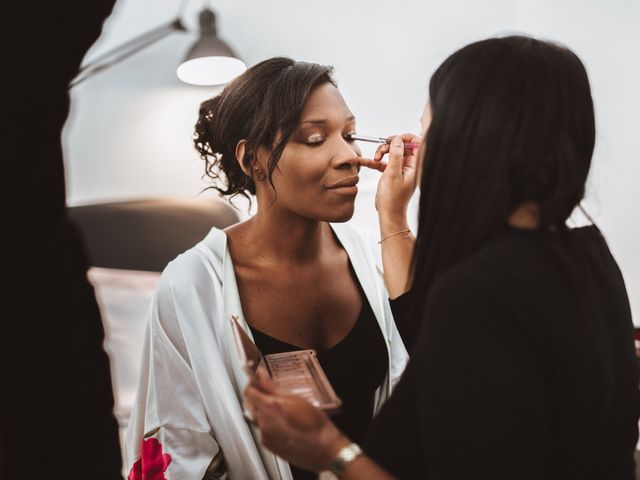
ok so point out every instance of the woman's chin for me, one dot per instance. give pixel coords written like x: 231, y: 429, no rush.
x: 339, y: 215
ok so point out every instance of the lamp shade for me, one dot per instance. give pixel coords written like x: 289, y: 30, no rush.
x: 210, y: 61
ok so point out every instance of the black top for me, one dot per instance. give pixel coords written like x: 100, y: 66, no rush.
x: 356, y: 366
x: 511, y: 377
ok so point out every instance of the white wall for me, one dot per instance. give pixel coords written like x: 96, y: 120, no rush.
x: 129, y: 134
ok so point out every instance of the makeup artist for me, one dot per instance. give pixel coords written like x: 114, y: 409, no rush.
x: 523, y: 364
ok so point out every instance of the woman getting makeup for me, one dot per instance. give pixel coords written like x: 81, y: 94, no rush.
x: 522, y: 353
x: 294, y: 276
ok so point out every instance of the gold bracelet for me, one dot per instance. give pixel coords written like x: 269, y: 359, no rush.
x: 393, y: 235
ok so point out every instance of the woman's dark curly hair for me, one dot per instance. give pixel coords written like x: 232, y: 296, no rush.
x: 263, y: 102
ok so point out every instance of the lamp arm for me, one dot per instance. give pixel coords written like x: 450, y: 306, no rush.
x: 125, y: 50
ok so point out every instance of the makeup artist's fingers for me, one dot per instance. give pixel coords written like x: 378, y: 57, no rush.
x: 373, y: 164
x: 255, y: 398
x: 410, y: 164
x: 381, y: 151
x: 397, y: 182
x: 396, y: 155
x: 407, y: 138
x: 297, y: 432
x: 409, y: 156
x: 248, y: 410
x: 265, y: 382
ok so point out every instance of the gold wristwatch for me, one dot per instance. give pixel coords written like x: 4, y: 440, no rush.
x: 345, y: 456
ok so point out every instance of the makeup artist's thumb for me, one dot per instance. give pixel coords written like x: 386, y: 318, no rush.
x: 396, y: 155
x: 264, y: 382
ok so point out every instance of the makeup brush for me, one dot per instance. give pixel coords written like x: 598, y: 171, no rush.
x: 381, y: 140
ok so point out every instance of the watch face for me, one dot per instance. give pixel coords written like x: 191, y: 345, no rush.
x: 327, y: 475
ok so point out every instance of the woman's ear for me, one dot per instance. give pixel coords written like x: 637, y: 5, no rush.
x: 254, y: 170
x: 240, y: 151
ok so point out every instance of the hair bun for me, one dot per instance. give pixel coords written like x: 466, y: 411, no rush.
x: 207, y: 134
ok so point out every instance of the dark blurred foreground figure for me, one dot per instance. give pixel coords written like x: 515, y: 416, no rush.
x: 519, y: 328
x: 56, y: 397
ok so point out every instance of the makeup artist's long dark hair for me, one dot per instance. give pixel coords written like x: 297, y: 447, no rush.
x: 512, y: 121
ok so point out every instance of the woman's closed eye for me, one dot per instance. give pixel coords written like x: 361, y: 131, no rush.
x: 318, y: 139
x: 315, y: 139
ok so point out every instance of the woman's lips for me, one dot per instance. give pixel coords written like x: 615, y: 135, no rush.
x: 346, y: 186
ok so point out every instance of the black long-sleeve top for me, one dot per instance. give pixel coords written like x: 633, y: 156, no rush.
x: 524, y: 367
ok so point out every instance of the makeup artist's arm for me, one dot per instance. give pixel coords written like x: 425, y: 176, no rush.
x: 395, y: 189
x: 295, y: 430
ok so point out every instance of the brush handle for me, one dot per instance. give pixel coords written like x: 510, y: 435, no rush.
x: 382, y: 140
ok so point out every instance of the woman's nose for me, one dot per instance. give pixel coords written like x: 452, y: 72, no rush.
x: 347, y: 154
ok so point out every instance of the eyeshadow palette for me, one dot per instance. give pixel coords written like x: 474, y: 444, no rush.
x: 297, y: 372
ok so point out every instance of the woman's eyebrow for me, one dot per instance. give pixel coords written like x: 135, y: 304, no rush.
x: 323, y: 121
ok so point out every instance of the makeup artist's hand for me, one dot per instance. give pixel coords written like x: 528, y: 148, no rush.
x: 395, y: 189
x: 291, y: 427
x: 399, y: 176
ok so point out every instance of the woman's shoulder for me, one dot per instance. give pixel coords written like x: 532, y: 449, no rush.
x: 188, y: 292
x: 195, y: 266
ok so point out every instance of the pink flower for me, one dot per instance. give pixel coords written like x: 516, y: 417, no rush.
x: 152, y: 463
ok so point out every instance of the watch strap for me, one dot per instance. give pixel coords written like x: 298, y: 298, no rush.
x: 345, y: 456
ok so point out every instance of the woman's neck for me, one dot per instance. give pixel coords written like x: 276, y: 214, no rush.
x: 282, y: 236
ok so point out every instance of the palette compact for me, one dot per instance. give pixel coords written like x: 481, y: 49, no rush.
x: 297, y: 372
